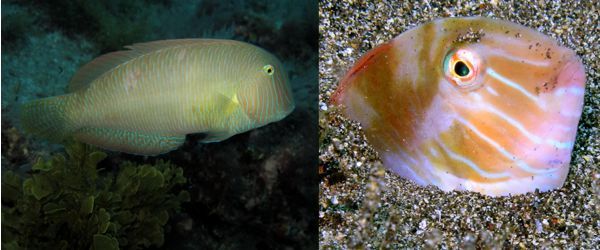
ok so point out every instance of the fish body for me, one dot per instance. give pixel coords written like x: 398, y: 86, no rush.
x: 469, y: 104
x: 146, y: 99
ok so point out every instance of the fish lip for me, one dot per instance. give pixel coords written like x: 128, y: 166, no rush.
x: 337, y: 96
x: 359, y: 66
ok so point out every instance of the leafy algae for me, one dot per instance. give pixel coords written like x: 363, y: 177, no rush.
x: 68, y: 202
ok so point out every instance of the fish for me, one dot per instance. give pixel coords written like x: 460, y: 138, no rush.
x: 146, y: 99
x: 469, y: 104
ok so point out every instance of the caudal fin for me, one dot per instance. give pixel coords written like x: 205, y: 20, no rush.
x: 47, y: 118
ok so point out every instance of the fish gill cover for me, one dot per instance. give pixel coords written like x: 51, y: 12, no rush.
x: 254, y: 190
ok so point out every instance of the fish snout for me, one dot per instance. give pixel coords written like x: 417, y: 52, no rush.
x: 349, y: 81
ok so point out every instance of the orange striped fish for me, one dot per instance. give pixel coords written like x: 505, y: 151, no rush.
x: 146, y: 99
x: 470, y: 104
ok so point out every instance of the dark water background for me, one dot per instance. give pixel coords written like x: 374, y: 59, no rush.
x: 256, y: 190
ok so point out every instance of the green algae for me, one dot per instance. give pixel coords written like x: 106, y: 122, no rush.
x: 67, y: 202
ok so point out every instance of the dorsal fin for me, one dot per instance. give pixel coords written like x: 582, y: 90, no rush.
x: 92, y: 70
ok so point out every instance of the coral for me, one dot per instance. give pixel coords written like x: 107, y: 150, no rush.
x: 68, y: 203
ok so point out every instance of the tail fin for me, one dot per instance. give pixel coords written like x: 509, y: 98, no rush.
x: 47, y: 118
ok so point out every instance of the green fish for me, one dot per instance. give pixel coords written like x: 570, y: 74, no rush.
x: 146, y: 99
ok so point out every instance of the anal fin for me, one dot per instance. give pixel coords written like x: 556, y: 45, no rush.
x: 139, y: 143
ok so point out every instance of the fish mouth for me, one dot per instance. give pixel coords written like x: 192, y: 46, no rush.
x: 359, y: 66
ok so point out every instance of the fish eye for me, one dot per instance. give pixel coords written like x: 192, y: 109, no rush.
x: 268, y: 69
x: 461, y: 67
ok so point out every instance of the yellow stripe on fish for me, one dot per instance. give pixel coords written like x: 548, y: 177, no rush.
x: 146, y: 99
x: 470, y: 104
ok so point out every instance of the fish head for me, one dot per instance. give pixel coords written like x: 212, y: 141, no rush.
x: 469, y: 104
x: 266, y: 95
